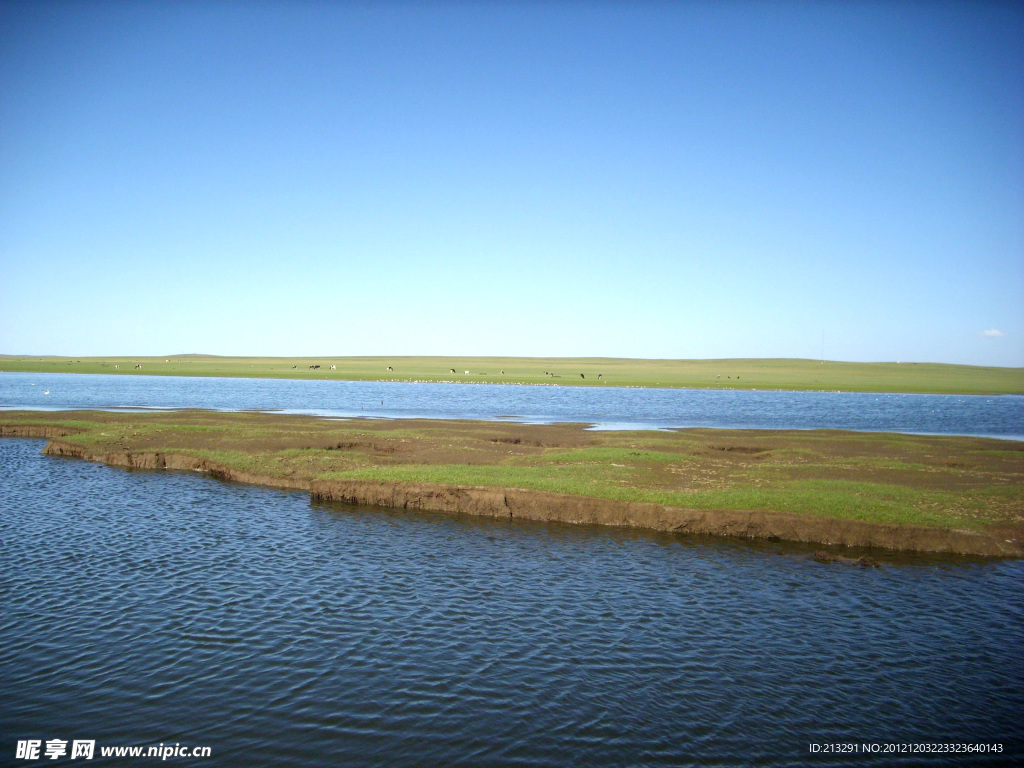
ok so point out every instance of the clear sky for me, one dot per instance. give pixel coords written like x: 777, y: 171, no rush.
x: 678, y: 180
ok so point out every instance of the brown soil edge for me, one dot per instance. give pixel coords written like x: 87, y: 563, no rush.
x: 36, y: 430
x: 545, y: 506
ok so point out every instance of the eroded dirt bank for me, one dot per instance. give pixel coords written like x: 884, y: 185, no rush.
x: 173, y: 461
x: 545, y: 506
x: 45, y: 431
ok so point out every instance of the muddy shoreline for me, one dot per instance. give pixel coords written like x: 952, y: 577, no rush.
x: 544, y: 506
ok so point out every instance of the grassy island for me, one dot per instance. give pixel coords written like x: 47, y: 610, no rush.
x: 796, y: 375
x: 954, y: 494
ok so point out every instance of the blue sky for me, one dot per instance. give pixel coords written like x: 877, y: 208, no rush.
x: 678, y: 180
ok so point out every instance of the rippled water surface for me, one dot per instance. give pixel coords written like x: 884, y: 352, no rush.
x: 608, y: 407
x: 149, y: 607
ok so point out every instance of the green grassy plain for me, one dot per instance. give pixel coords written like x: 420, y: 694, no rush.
x: 777, y: 374
x: 939, y: 481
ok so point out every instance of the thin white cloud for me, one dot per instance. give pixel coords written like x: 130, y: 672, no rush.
x: 992, y: 334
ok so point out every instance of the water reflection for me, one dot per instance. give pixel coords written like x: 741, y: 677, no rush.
x: 147, y: 607
x: 605, y: 407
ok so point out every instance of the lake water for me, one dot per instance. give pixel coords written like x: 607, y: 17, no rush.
x: 605, y: 407
x: 142, y: 608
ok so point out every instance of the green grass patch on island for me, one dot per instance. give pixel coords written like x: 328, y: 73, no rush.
x: 947, y: 482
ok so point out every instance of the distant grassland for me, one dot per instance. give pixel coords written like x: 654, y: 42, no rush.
x: 779, y: 374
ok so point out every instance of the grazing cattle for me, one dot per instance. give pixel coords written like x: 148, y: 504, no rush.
x: 502, y: 373
x: 390, y: 368
x: 138, y: 365
x: 334, y: 367
x: 466, y: 373
x: 582, y: 376
x: 600, y: 376
x: 294, y: 367
x: 452, y: 370
x: 117, y: 366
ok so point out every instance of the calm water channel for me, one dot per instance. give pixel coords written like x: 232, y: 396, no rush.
x: 142, y: 608
x: 607, y: 407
